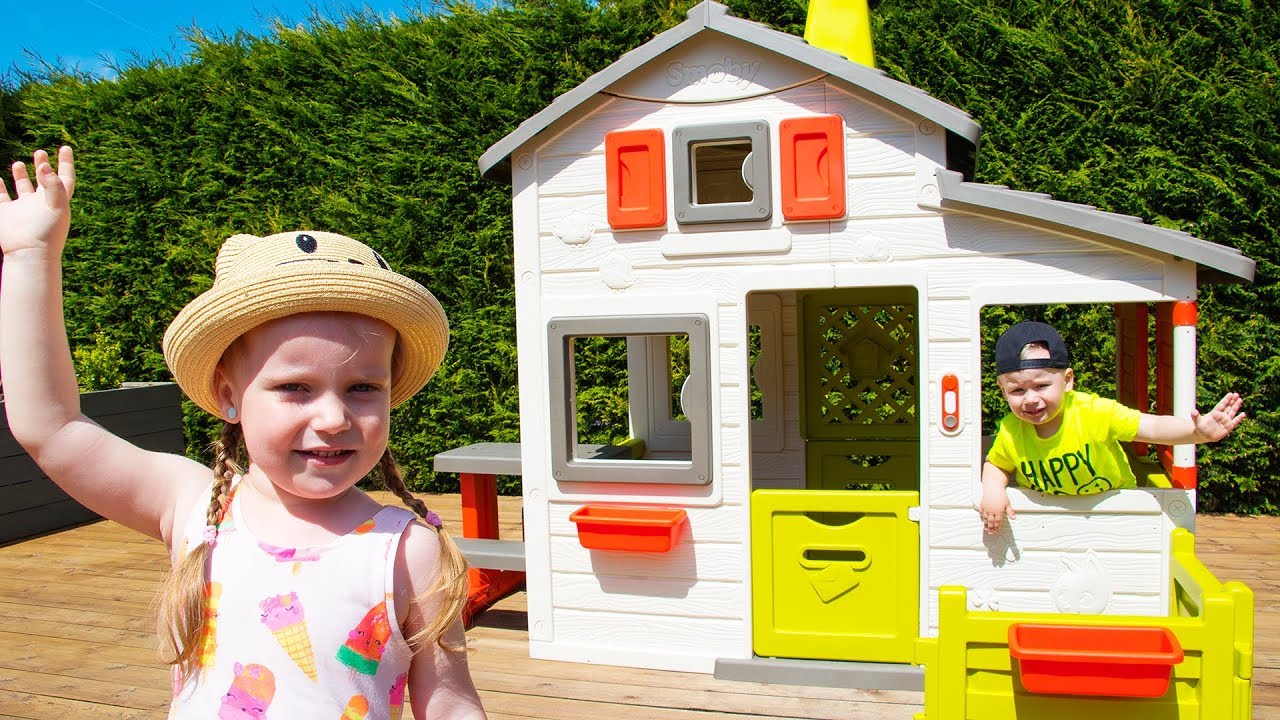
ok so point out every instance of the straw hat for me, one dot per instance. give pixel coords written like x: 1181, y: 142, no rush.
x: 260, y: 279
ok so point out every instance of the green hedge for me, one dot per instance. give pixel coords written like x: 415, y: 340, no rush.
x: 1162, y: 109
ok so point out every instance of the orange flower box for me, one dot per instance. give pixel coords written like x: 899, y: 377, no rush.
x: 1120, y: 661
x: 638, y: 529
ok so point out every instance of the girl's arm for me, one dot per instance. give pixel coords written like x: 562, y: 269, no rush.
x: 440, y: 683
x: 1211, y: 427
x: 110, y: 476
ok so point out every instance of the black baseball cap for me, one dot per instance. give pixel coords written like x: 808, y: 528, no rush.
x: 1009, y: 348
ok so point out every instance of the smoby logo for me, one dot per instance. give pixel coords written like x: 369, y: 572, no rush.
x: 729, y: 71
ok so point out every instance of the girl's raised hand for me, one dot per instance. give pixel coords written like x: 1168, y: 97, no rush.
x: 38, y: 215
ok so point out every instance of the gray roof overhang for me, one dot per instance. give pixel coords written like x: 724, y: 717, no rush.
x: 1223, y: 264
x: 710, y: 16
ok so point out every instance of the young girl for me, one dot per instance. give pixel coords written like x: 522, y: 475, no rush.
x: 293, y: 594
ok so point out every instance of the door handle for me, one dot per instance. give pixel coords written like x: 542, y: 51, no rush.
x: 818, y: 557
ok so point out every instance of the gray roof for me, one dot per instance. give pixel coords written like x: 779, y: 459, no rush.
x: 1037, y: 209
x: 710, y: 16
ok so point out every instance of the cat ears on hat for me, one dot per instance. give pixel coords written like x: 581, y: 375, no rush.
x: 258, y: 279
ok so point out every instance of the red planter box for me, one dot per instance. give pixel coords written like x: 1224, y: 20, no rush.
x: 1094, y: 660
x: 638, y: 529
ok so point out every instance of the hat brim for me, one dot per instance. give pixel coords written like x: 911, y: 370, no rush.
x: 205, y: 328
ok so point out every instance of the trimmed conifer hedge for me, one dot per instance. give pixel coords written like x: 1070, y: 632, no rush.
x: 1163, y: 109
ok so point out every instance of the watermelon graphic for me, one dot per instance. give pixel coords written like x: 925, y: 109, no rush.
x: 363, y: 649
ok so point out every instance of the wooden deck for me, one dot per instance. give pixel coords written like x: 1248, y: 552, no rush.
x: 76, y: 640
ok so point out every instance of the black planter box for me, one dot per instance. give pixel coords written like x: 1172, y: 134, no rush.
x: 148, y: 415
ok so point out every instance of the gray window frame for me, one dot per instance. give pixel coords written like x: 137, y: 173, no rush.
x: 571, y: 462
x: 759, y: 208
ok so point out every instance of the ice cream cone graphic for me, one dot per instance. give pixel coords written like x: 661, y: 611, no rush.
x: 397, y: 696
x: 283, y: 616
x: 357, y: 708
x: 364, y: 646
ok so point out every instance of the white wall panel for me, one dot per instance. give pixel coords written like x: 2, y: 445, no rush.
x: 648, y: 595
x: 870, y: 155
x: 952, y: 487
x: 689, y: 644
x: 688, y: 561
x: 962, y: 528
x: 950, y: 320
x: 1037, y: 570
x: 571, y: 175
x: 885, y: 196
x: 864, y: 117
x: 957, y: 278
x: 971, y: 234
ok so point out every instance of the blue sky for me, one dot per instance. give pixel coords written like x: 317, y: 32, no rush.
x: 92, y: 34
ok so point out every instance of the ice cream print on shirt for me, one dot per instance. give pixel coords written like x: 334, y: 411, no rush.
x: 250, y: 694
x: 1070, y: 473
x: 357, y: 708
x: 397, y: 695
x: 363, y: 649
x: 283, y: 616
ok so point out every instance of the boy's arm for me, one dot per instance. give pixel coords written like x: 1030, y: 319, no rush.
x: 1210, y: 427
x: 112, y: 477
x: 440, y: 684
x: 995, y: 498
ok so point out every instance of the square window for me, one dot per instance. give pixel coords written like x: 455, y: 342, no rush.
x: 630, y: 399
x: 721, y: 172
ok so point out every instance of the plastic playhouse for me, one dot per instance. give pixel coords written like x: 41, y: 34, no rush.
x: 789, y: 251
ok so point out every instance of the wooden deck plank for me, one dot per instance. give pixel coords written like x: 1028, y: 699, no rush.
x: 66, y: 663
x: 18, y: 594
x: 33, y: 706
x: 75, y: 616
x: 77, y: 639
x: 85, y: 689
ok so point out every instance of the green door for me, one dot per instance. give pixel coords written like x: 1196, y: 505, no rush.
x: 859, y: 391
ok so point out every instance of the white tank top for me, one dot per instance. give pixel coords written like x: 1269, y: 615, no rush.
x: 307, y: 632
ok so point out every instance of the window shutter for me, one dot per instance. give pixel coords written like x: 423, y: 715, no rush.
x: 813, y: 183
x: 635, y: 172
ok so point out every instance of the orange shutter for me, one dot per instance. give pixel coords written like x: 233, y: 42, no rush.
x: 636, y: 178
x: 812, y: 167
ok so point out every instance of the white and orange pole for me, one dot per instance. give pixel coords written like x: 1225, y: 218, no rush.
x: 1185, y: 317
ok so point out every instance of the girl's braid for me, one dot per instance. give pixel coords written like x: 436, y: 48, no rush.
x: 226, y: 465
x: 394, y: 480
x: 449, y: 593
x: 182, y: 605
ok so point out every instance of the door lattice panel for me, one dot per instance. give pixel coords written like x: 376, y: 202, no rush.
x: 861, y: 364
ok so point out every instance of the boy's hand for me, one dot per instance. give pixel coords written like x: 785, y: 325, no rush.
x: 38, y: 215
x: 994, y: 507
x: 1220, y: 421
x: 995, y: 497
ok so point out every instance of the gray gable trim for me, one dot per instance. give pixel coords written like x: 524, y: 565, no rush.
x: 495, y: 163
x: 1224, y: 263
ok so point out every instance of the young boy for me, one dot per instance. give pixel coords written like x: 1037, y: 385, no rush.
x: 1063, y: 442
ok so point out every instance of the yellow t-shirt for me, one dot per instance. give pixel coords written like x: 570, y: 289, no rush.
x: 1083, y: 458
